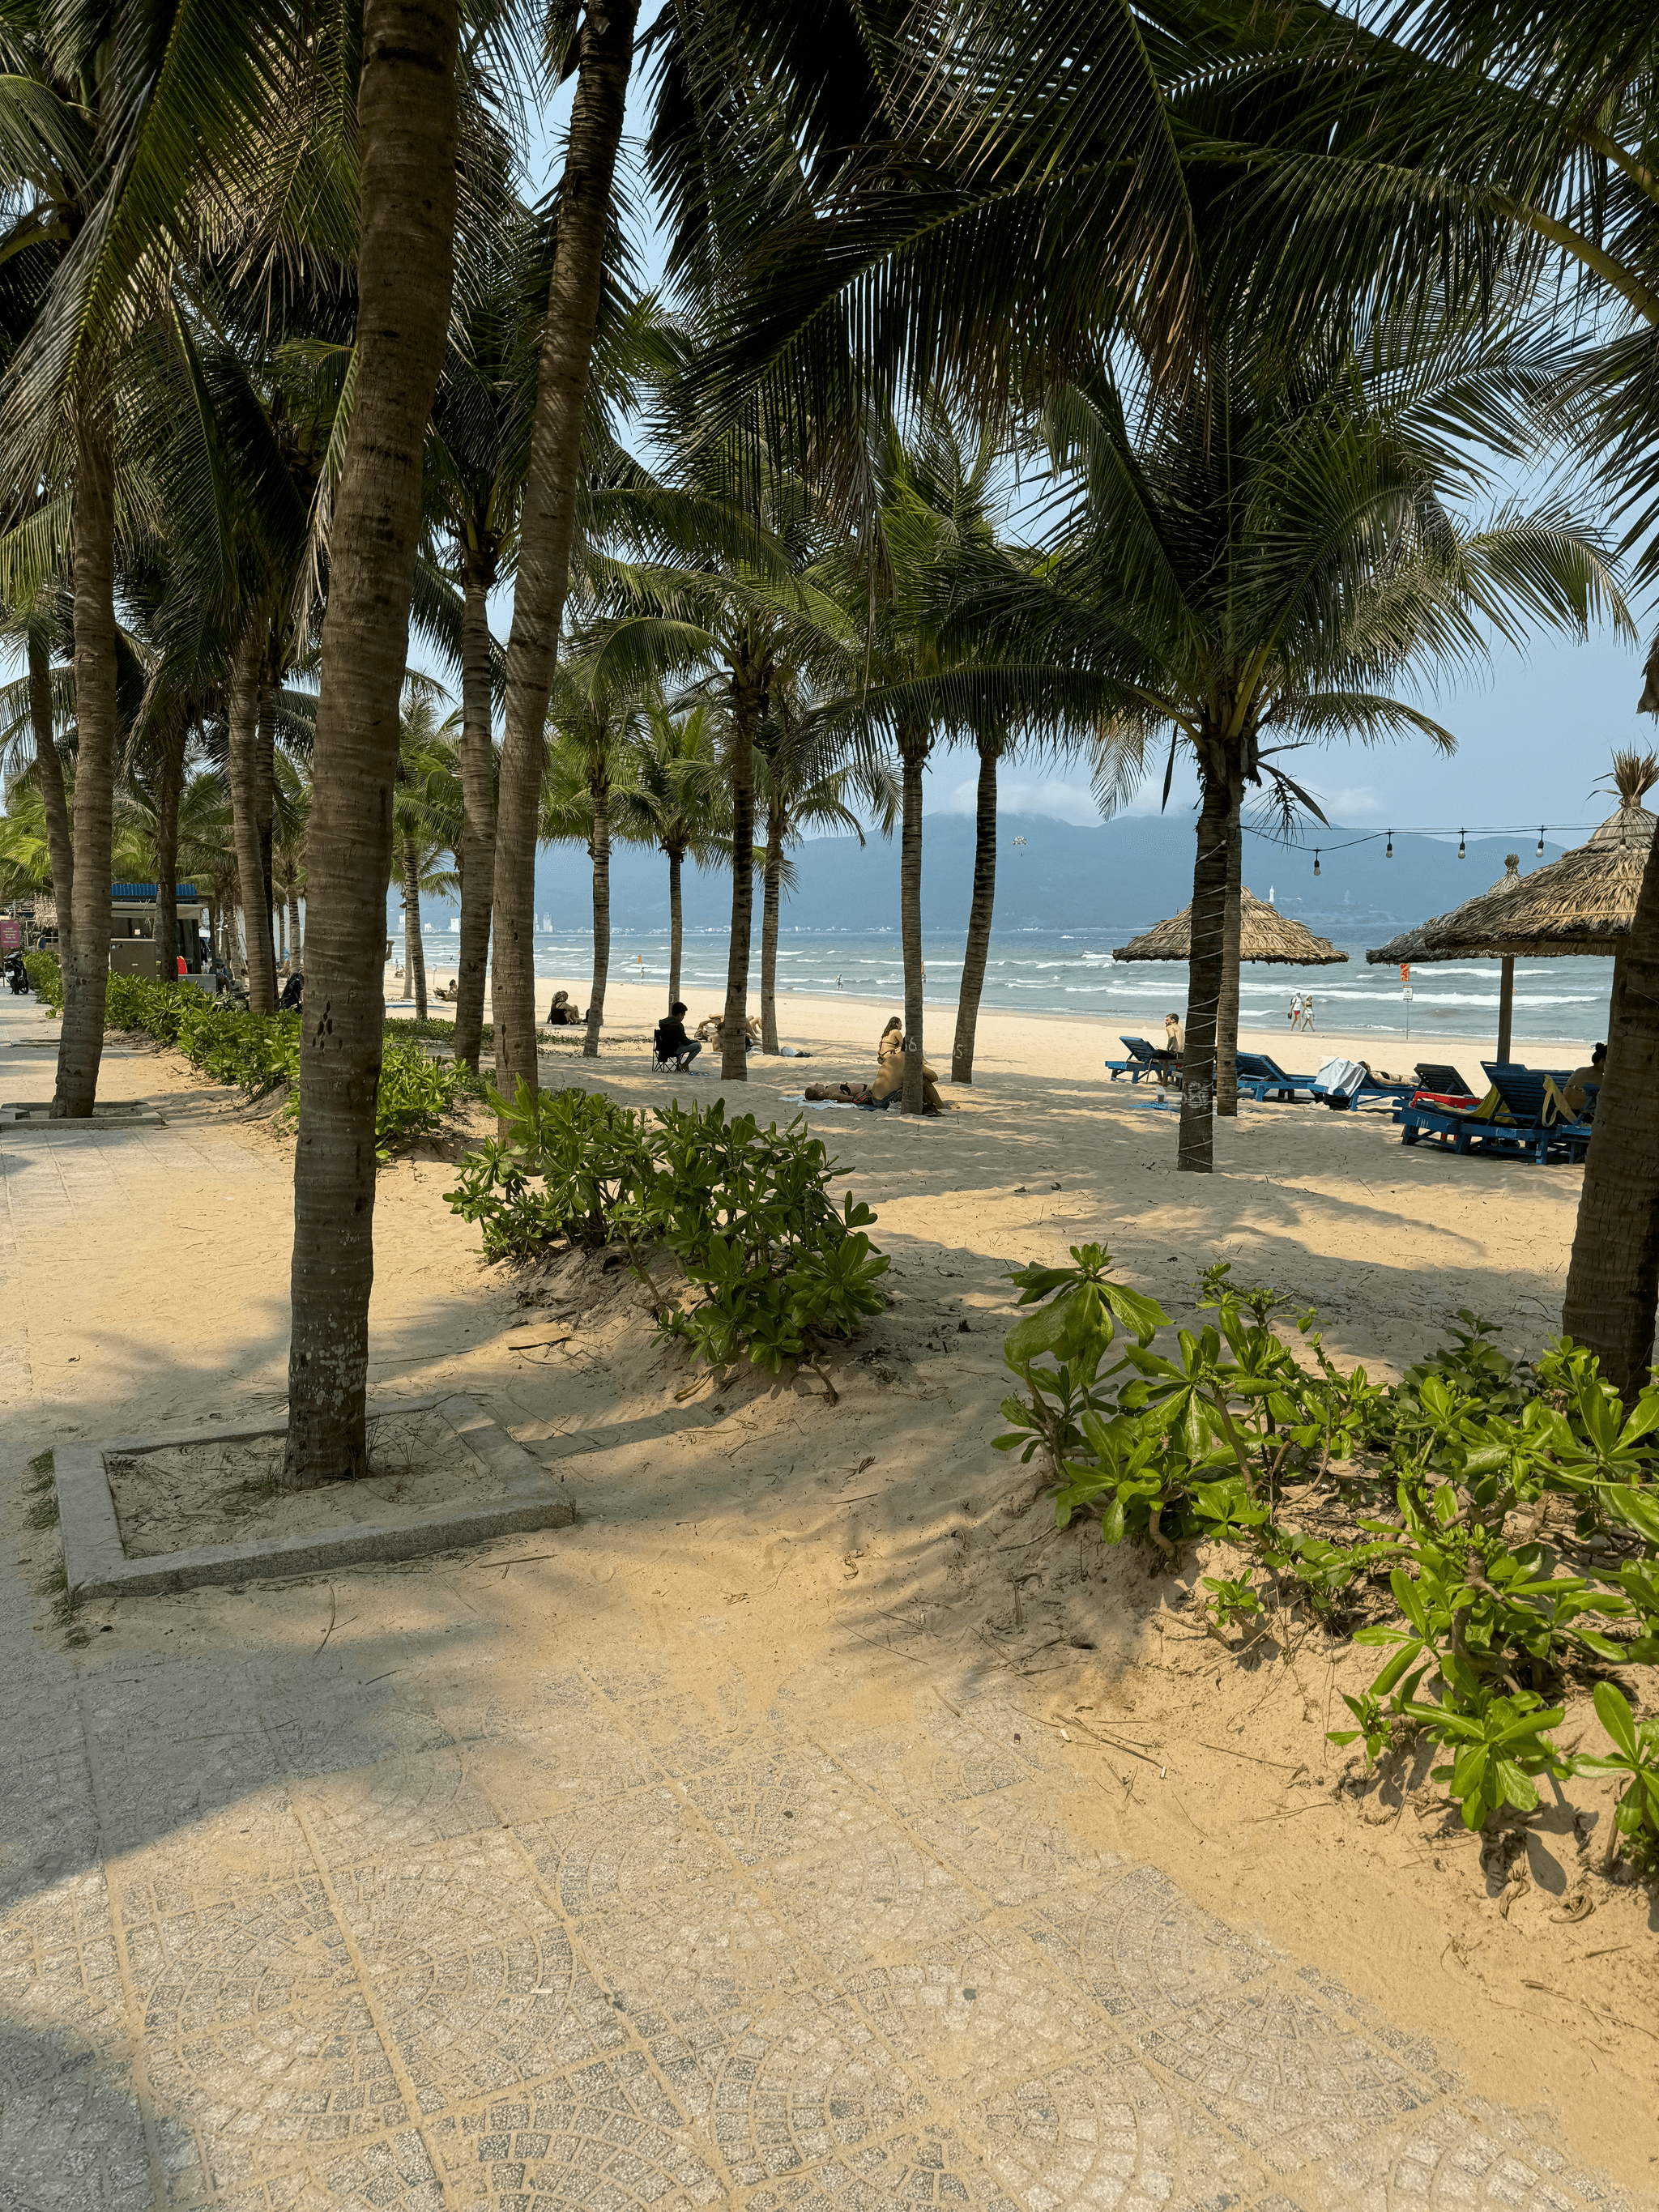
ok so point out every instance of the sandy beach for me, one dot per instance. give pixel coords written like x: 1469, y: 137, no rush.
x: 758, y: 1557
x: 1017, y: 1044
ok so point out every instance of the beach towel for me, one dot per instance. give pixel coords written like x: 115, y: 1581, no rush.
x: 1340, y: 1078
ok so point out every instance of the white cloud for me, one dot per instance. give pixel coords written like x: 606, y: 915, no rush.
x: 1055, y: 797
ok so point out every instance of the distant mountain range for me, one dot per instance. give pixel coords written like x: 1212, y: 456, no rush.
x: 1112, y: 879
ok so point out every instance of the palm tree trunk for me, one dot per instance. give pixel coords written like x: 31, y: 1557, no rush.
x: 1612, y: 1280
x: 599, y: 851
x: 86, y: 957
x: 674, y: 924
x: 407, y: 135
x: 748, y: 700
x: 296, y: 942
x: 977, y: 950
x: 548, y: 517
x: 413, y: 949
x: 411, y: 890
x: 1196, y: 1151
x: 59, y: 840
x: 1226, y: 1056
x: 247, y: 666
x: 913, y: 753
x: 264, y: 797
x: 169, y: 786
x: 477, y: 858
x: 773, y: 888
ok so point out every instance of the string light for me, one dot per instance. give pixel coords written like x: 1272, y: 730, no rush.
x: 1388, y: 854
x: 1316, y: 860
x: 1460, y: 843
x: 1541, y: 841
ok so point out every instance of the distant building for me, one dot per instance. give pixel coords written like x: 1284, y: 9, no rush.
x: 132, y: 929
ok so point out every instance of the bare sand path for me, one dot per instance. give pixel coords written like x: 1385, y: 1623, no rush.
x: 811, y: 1826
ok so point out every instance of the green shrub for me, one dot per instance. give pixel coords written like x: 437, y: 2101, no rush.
x: 259, y: 1053
x: 45, y: 974
x: 1434, y: 1491
x: 746, y: 1210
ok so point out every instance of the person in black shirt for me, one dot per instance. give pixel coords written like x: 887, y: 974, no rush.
x: 672, y: 1042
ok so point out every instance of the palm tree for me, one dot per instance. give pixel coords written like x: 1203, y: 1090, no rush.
x: 734, y: 589
x: 675, y: 798
x: 595, y: 736
x: 1254, y: 562
x: 547, y: 523
x: 478, y: 453
x: 427, y: 819
x: 406, y: 114
x: 802, y: 783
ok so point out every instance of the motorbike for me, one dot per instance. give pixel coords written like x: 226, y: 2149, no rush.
x: 16, y: 974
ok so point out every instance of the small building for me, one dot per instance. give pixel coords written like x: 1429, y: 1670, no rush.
x: 132, y: 930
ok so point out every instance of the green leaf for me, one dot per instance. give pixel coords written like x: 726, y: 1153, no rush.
x: 1613, y: 1711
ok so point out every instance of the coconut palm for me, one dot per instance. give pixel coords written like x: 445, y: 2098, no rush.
x: 732, y: 594
x: 1244, y: 571
x: 604, y: 46
x: 406, y: 118
x: 675, y: 797
x: 802, y: 782
x: 595, y: 733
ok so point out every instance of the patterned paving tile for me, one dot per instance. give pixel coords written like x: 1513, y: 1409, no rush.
x: 601, y: 2136
x: 474, y: 1975
x: 1139, y: 1945
x: 1009, y: 1846
x: 944, y: 1761
x: 623, y: 1853
x: 243, y: 2100
x: 1283, y: 2072
x: 392, y: 2175
x: 926, y: 2166
x: 876, y: 1895
x: 780, y: 1800
x: 71, y: 2132
x: 399, y: 1805
x: 1105, y: 2133
x: 694, y: 1972
x: 208, y: 1959
x: 976, y: 2010
x: 807, y: 2081
x: 1466, y: 2155
x: 59, y: 1970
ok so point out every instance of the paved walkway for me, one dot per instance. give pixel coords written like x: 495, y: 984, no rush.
x: 447, y: 1887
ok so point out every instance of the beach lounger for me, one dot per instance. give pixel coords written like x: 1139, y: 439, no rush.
x: 1524, y: 1114
x: 1262, y: 1077
x: 1350, y: 1082
x: 1442, y: 1081
x: 1142, y: 1062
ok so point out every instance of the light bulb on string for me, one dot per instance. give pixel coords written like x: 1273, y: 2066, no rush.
x: 1541, y: 841
x: 1460, y: 835
x: 1389, y: 851
x: 1316, y: 860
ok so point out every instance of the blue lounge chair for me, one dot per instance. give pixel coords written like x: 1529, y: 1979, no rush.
x: 1369, y: 1086
x: 1260, y: 1077
x: 1142, y: 1062
x: 1523, y: 1114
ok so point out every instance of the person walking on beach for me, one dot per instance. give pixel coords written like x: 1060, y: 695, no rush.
x: 1307, y: 1010
x: 1296, y: 1010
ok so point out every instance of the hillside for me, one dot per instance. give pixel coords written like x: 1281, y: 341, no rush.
x: 1114, y: 877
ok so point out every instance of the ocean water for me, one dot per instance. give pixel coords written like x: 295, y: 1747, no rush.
x: 1056, y: 972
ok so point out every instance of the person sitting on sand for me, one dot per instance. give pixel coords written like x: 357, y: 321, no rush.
x: 561, y: 1014
x: 1574, y: 1087
x: 672, y: 1041
x: 890, y: 1071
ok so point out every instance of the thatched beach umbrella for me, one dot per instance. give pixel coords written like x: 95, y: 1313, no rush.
x: 1412, y: 948
x: 1583, y: 903
x: 1264, y: 934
